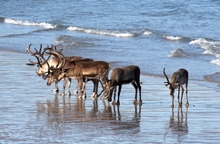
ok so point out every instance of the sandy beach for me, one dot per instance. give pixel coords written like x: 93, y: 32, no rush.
x: 31, y: 113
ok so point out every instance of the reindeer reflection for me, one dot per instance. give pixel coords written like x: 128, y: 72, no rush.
x: 178, y: 125
x: 54, y: 110
x: 60, y: 113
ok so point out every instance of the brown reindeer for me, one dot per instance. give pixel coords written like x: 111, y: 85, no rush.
x: 120, y: 76
x: 57, y: 74
x: 95, y: 70
x: 177, y: 80
x: 51, y: 62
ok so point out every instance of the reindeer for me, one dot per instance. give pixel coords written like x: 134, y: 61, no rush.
x: 57, y: 74
x: 177, y: 80
x: 120, y: 76
x: 51, y: 62
x: 95, y: 70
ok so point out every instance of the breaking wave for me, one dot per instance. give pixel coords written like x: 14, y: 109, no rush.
x: 209, y: 47
x: 173, y: 38
x: 101, y: 32
x: 177, y: 53
x: 27, y: 23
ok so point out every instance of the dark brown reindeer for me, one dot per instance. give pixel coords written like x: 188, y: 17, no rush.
x: 177, y: 80
x: 95, y: 70
x: 51, y: 62
x: 120, y: 76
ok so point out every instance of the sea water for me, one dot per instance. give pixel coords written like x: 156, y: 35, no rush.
x: 151, y: 34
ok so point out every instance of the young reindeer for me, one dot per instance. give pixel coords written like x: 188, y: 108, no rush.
x: 120, y: 76
x: 177, y: 80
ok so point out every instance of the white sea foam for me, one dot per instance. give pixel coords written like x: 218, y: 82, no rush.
x: 101, y: 32
x: 216, y: 62
x: 27, y: 23
x: 177, y: 53
x: 210, y: 47
x: 147, y: 33
x: 173, y: 38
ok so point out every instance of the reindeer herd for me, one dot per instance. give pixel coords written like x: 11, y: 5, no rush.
x: 54, y: 66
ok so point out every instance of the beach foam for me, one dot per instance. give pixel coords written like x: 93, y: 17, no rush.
x: 177, y: 53
x: 101, y: 32
x: 27, y: 23
x: 210, y: 47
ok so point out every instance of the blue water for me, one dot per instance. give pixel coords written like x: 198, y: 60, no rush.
x: 151, y: 34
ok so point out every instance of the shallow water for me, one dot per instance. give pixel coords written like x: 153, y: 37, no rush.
x: 32, y: 113
x: 150, y: 34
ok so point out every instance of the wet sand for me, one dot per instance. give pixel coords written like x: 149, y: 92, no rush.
x: 31, y: 113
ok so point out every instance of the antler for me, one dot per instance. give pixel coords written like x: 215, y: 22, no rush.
x: 35, y: 54
x: 58, y: 55
x: 168, y: 82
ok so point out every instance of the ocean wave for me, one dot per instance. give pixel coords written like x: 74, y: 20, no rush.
x: 173, y: 38
x: 147, y: 33
x: 210, y: 47
x: 27, y: 23
x: 102, y: 32
x: 177, y: 53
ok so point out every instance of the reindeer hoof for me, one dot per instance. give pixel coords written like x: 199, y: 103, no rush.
x: 94, y: 95
x: 179, y: 105
x: 140, y: 102
x: 171, y: 106
x: 68, y: 94
x: 135, y: 101
x: 117, y: 103
x: 75, y: 92
x: 187, y: 104
x: 56, y: 90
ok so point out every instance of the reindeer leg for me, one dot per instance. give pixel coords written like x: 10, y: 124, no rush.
x: 64, y: 86
x: 95, y: 88
x: 115, y: 89
x: 182, y: 95
x: 135, y: 87
x: 69, y: 85
x: 179, y: 104
x: 56, y: 90
x: 140, y: 100
x: 119, y: 91
x: 172, y: 104
x: 81, y: 82
x: 77, y: 86
x: 187, y: 103
x: 84, y: 88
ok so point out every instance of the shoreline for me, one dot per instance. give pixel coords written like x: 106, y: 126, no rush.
x: 28, y: 104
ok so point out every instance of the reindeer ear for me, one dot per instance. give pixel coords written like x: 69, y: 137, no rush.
x: 174, y: 85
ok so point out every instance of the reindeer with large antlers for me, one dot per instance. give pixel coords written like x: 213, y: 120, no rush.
x: 177, y: 80
x: 120, y: 76
x: 44, y: 64
x: 82, y: 69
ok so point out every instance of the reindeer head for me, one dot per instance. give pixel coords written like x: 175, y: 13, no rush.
x: 109, y: 90
x: 172, y: 83
x: 55, y: 76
